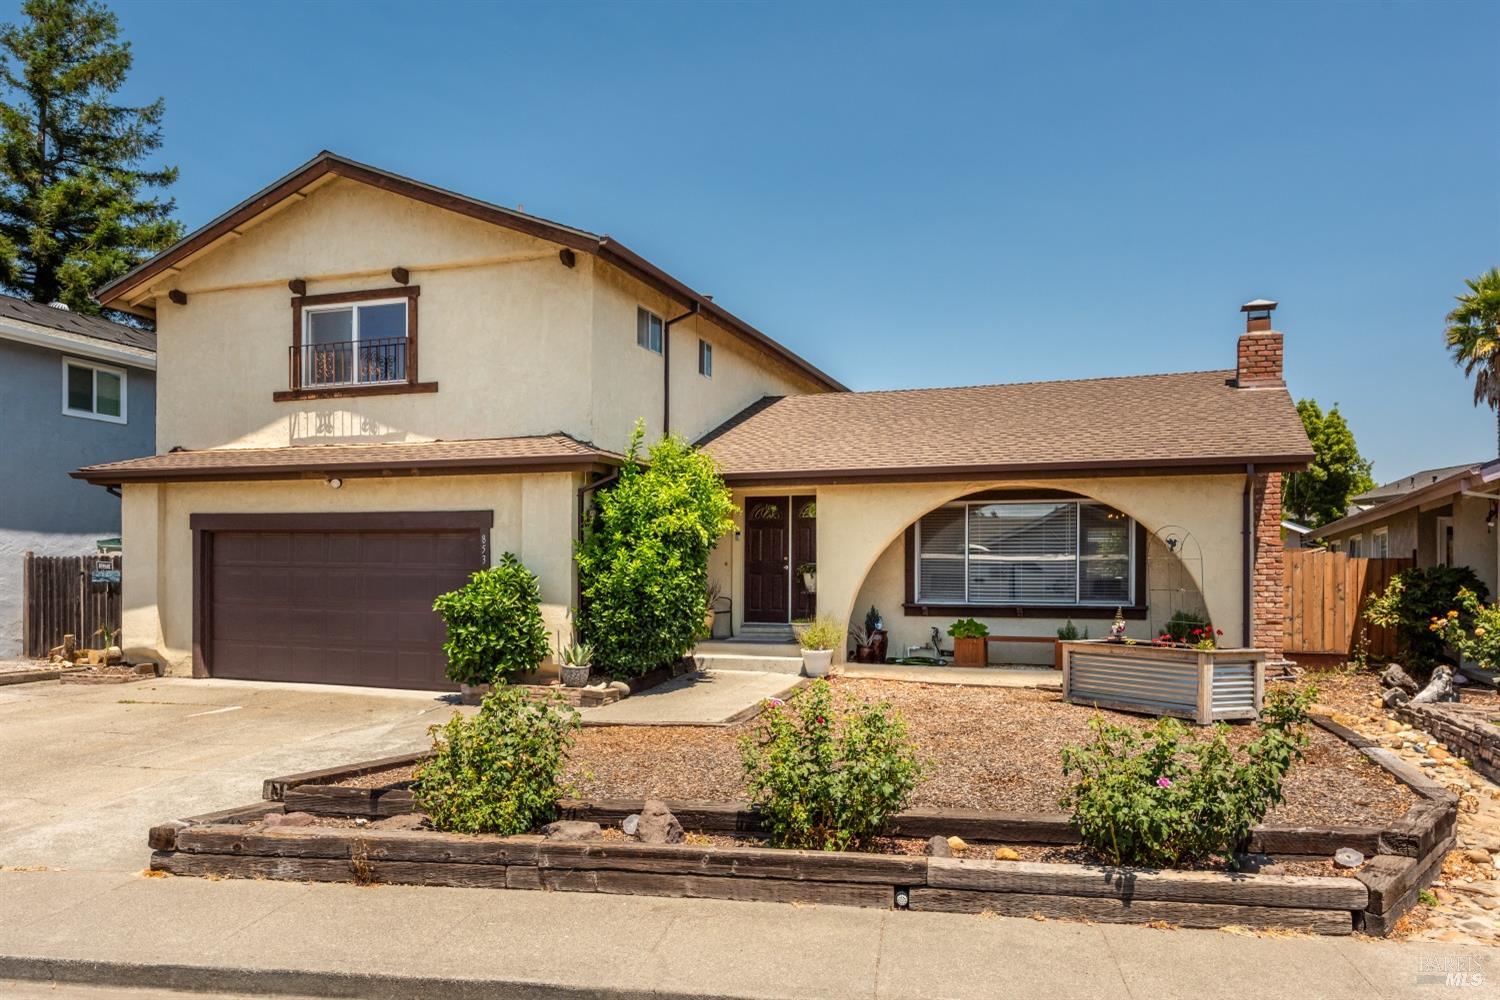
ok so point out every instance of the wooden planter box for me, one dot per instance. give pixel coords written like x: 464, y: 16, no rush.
x: 969, y: 652
x: 1202, y: 685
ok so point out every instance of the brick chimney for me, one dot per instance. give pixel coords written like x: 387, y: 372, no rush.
x: 1258, y: 363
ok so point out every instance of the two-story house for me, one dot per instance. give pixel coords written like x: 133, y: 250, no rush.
x: 371, y: 387
x: 74, y: 389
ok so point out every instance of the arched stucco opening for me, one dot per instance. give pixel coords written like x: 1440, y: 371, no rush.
x: 862, y: 551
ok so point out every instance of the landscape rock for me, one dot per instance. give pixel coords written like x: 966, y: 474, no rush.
x: 1007, y: 854
x: 289, y: 819
x: 571, y: 829
x: 401, y: 821
x: 956, y: 844
x: 1395, y: 676
x: 1478, y: 855
x: 1251, y: 864
x: 1439, y: 689
x: 657, y: 824
x: 937, y: 847
x: 1348, y: 857
x: 630, y: 824
x: 1394, y: 698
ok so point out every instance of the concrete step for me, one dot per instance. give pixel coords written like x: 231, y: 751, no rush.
x: 750, y: 662
x: 746, y: 646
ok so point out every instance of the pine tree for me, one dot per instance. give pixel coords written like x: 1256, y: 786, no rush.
x: 77, y: 201
x: 1338, y: 471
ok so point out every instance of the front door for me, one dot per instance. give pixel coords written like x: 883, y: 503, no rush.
x: 768, y: 560
x: 804, y: 557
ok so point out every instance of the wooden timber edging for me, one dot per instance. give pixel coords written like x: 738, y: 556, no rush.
x: 1121, y: 895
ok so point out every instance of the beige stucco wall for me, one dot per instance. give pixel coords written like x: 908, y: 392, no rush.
x: 535, y: 517
x: 860, y: 528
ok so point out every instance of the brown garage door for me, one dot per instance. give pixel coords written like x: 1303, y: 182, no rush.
x: 332, y: 601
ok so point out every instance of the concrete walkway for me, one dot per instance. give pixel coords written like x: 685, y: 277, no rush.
x: 701, y: 698
x: 970, y: 676
x: 269, y: 938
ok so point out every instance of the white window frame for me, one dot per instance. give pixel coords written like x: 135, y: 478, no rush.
x: 1130, y: 552
x: 705, y: 358
x: 1384, y: 544
x: 1352, y: 545
x: 96, y: 368
x: 661, y: 323
x: 353, y: 309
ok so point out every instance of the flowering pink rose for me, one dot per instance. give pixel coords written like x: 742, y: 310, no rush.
x: 1164, y: 782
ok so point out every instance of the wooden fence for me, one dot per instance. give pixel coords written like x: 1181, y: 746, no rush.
x: 1325, y: 594
x: 64, y: 594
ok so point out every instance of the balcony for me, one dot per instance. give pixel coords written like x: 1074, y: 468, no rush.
x: 352, y: 368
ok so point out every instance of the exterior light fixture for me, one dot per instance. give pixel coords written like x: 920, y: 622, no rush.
x: 334, y: 482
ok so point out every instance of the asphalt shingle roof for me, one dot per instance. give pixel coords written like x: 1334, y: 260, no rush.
x: 81, y: 324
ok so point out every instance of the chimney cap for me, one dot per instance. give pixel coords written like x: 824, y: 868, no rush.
x: 1258, y: 305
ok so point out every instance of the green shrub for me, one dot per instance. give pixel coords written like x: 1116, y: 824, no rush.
x: 829, y: 777
x: 1070, y: 632
x: 643, y: 563
x: 498, y: 771
x: 1412, y: 599
x: 1162, y: 796
x: 495, y: 628
x: 1182, y: 623
x: 820, y: 633
x: 968, y: 628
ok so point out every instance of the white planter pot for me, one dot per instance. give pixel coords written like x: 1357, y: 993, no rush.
x: 810, y: 582
x: 815, y: 662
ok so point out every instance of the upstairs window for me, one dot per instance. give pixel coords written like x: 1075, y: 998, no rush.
x: 1014, y: 553
x: 648, y: 330
x: 354, y: 344
x: 93, y: 391
x: 705, y: 359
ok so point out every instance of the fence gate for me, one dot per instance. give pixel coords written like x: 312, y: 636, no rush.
x: 62, y: 594
x: 1325, y: 595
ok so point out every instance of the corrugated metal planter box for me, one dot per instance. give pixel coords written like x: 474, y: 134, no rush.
x: 1202, y: 685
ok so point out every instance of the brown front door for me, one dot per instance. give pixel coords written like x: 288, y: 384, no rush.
x: 767, y: 559
x: 327, y: 603
x: 804, y: 555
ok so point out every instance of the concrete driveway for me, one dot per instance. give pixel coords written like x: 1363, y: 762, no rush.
x: 88, y: 769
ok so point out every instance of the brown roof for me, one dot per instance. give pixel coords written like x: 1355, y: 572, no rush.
x: 1167, y: 421
x: 82, y: 324
x: 605, y: 248
x: 553, y: 452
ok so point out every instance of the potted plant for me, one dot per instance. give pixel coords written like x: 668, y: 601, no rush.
x: 968, y: 642
x: 878, y: 637
x: 862, y: 652
x: 809, y: 574
x: 710, y: 610
x: 577, y: 662
x: 818, y: 639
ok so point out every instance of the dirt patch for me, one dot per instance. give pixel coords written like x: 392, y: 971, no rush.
x: 991, y: 749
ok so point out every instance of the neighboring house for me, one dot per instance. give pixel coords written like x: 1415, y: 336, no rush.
x: 314, y: 490
x: 1436, y: 517
x: 1294, y: 534
x: 74, y: 389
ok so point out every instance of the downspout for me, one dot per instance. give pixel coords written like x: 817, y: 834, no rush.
x: 666, y: 367
x: 1248, y: 533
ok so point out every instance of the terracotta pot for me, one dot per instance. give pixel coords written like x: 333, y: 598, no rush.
x: 879, y: 641
x: 968, y: 652
x: 863, y: 654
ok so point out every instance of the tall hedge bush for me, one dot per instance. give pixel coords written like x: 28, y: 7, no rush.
x: 643, y: 563
x: 1412, y: 599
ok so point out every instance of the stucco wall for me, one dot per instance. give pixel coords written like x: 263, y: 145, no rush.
x: 534, y: 518
x: 41, y: 508
x: 860, y: 530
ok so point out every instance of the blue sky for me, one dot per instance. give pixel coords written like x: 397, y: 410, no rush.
x: 930, y: 194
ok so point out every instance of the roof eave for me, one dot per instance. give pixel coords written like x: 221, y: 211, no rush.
x: 1219, y: 465
x: 1452, y: 486
x: 105, y: 476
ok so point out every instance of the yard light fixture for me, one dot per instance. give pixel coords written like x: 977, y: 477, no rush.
x: 335, y: 482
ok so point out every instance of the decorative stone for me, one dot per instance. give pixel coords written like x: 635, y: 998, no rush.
x: 1478, y: 855
x: 289, y: 819
x: 657, y: 824
x: 1251, y: 864
x: 1007, y: 854
x: 1348, y: 857
x: 361, y: 821
x: 630, y: 824
x: 1395, y: 676
x: 937, y: 847
x: 956, y: 844
x: 401, y: 821
x: 1394, y: 698
x: 1392, y: 726
x: 1439, y: 689
x: 621, y: 687
x: 571, y: 829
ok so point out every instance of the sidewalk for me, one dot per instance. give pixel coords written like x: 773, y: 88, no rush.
x: 275, y: 938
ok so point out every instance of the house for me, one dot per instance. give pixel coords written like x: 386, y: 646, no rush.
x: 1437, y: 517
x: 1294, y: 534
x: 318, y: 479
x: 74, y: 389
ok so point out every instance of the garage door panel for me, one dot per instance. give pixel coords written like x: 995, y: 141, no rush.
x: 334, y: 607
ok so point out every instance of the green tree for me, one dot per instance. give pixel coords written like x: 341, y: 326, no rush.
x: 1338, y: 471
x: 643, y: 564
x: 76, y: 194
x: 1473, y: 336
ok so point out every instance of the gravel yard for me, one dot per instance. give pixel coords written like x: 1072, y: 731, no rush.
x: 990, y: 748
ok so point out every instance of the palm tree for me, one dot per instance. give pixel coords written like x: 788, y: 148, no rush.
x: 1474, y: 336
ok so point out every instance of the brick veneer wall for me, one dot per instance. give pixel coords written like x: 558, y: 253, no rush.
x: 1267, y: 597
x: 1259, y: 359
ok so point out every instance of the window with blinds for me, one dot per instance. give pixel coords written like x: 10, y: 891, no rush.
x: 1017, y: 553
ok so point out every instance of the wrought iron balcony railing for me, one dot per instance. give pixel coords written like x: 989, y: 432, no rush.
x: 350, y: 362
